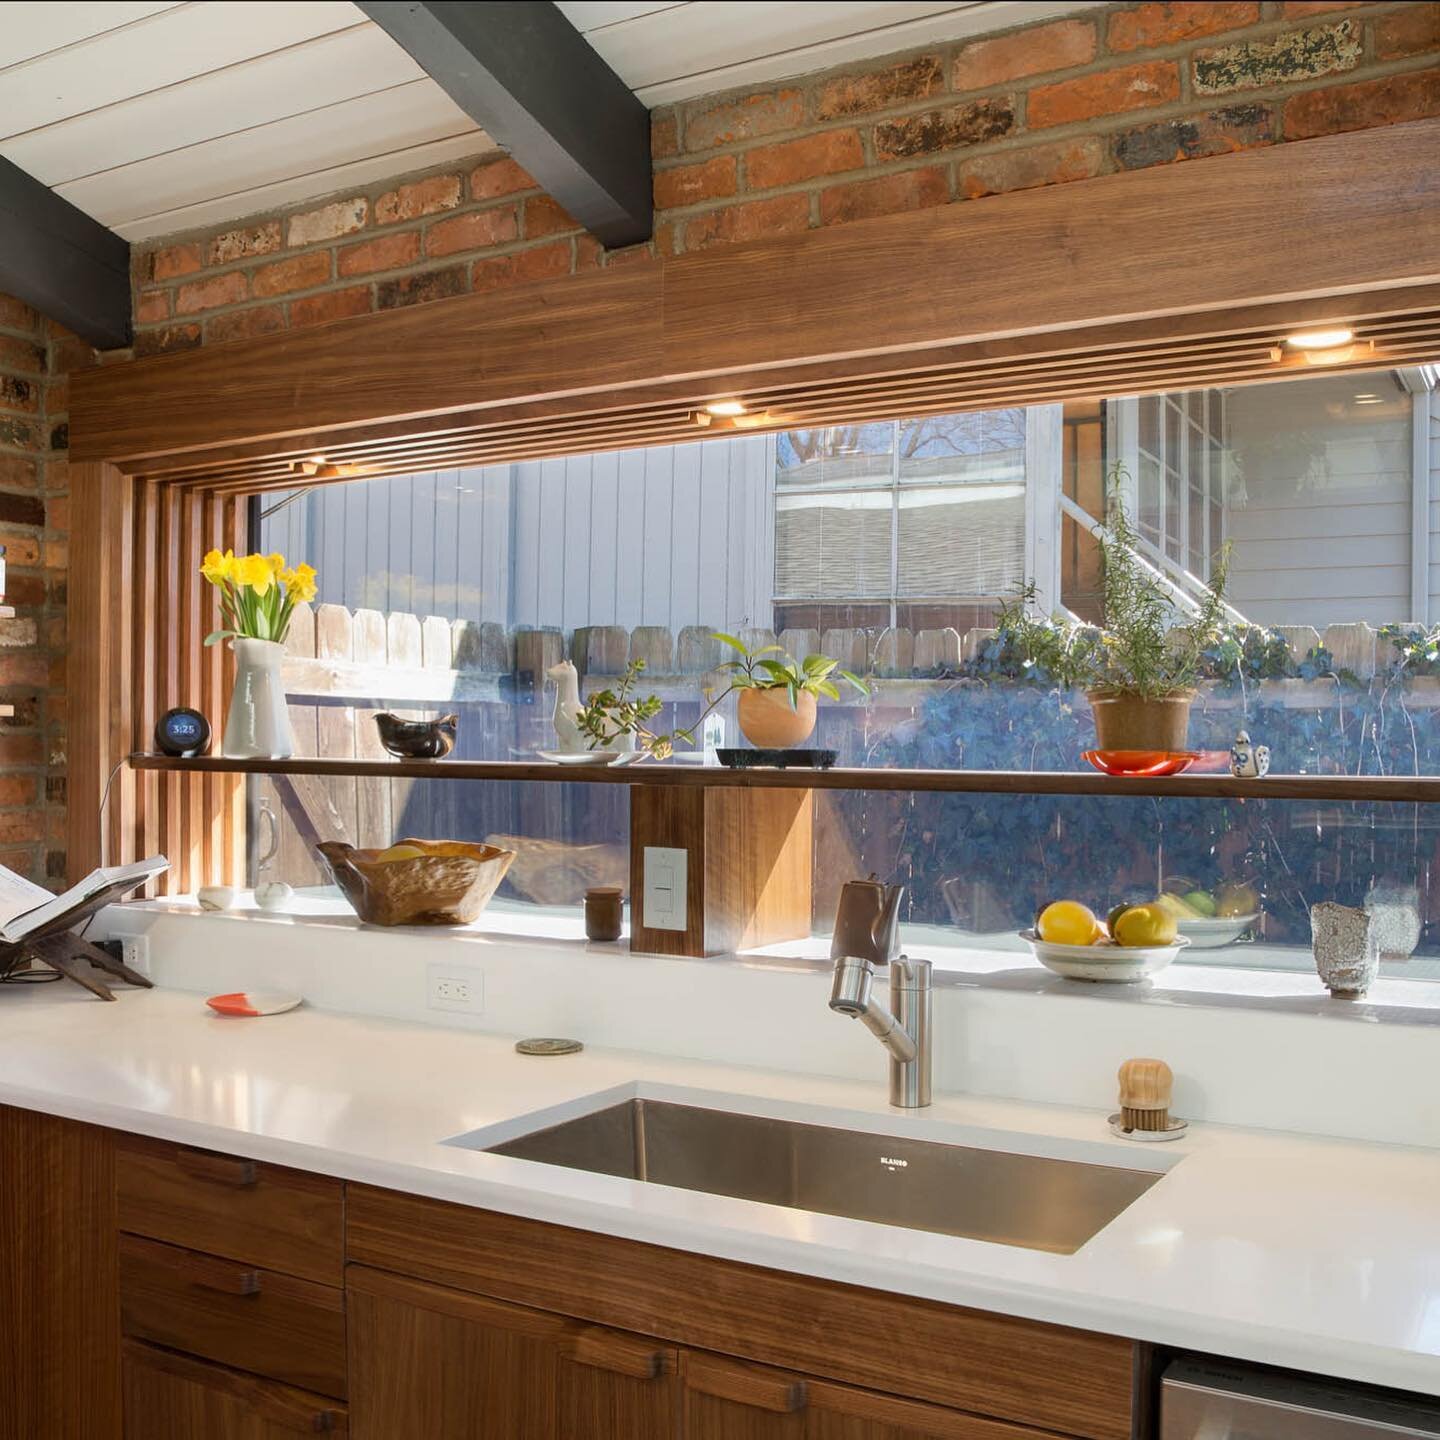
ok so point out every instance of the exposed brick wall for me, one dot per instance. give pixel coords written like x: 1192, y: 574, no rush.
x: 1120, y: 87
x: 36, y: 358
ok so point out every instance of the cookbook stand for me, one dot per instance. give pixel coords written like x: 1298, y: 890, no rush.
x: 53, y: 944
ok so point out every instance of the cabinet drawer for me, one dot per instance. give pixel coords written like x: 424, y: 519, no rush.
x: 274, y: 1325
x: 264, y: 1215
x: 168, y: 1396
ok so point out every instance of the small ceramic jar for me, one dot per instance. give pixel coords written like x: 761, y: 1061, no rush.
x: 604, y: 905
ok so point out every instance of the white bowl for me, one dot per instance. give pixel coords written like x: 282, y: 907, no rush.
x: 1107, y: 961
x: 1210, y: 932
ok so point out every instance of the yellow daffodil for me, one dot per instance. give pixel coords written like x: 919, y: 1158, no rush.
x: 218, y: 568
x: 277, y: 562
x: 255, y: 572
x: 299, y: 583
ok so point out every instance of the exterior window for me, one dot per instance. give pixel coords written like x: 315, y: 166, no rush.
x: 881, y: 524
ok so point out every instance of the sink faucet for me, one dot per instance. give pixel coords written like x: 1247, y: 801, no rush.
x: 904, y: 1029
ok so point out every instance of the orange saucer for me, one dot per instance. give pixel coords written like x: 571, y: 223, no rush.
x: 1135, y: 763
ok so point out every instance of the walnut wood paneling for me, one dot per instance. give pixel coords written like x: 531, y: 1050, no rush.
x: 244, y: 1210
x: 748, y: 870
x: 993, y: 1365
x: 256, y: 1320
x: 172, y: 1397
x: 59, y: 1297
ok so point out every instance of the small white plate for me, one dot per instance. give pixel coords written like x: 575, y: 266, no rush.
x: 580, y: 757
x: 1210, y: 932
x: 1107, y: 961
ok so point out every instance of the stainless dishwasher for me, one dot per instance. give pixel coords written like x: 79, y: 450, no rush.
x: 1208, y: 1400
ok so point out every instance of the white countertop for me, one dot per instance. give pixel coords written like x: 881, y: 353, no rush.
x: 1321, y: 1255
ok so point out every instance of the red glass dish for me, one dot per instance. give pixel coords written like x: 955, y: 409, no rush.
x: 1141, y: 762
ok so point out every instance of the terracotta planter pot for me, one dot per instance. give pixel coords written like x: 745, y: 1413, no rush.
x: 770, y: 724
x: 1128, y: 722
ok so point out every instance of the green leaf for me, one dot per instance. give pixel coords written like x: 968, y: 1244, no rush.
x: 829, y: 688
x: 784, y: 674
x: 768, y: 650
x: 216, y: 636
x: 793, y: 691
x: 731, y: 641
x: 856, y: 681
x: 819, y: 665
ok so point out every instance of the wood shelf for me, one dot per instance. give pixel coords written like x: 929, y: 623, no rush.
x: 1395, y: 788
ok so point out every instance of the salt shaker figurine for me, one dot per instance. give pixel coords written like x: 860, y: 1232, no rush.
x: 1247, y: 761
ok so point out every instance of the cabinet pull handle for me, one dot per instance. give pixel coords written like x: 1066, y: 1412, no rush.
x: 217, y: 1275
x: 619, y: 1354
x: 228, y: 1170
x: 324, y: 1422
x: 759, y: 1389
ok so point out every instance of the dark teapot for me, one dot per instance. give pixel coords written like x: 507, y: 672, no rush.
x: 417, y: 739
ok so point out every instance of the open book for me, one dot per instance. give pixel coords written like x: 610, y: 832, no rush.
x: 26, y: 907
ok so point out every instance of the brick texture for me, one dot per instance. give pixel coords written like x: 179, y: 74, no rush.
x: 1120, y: 87
x: 36, y: 357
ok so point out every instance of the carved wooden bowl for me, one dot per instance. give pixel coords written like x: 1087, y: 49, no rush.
x: 449, y: 883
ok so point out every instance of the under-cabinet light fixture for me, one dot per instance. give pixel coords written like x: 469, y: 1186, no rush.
x: 725, y: 408
x: 746, y: 420
x: 1320, y: 339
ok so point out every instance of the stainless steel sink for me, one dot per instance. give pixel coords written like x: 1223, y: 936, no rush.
x: 1027, y: 1200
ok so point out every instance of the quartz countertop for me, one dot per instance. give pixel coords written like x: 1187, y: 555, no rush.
x: 1321, y: 1255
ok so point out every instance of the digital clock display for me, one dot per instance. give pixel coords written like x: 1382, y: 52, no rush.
x: 182, y: 732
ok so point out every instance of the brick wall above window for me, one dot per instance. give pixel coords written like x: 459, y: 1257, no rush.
x: 1119, y: 87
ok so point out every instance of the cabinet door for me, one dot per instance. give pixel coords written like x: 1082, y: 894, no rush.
x: 433, y: 1364
x: 617, y: 1387
x: 727, y: 1400
x: 168, y: 1396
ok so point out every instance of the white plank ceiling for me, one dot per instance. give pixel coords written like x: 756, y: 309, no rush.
x: 155, y: 116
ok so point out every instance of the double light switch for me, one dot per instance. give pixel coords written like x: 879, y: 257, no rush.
x: 663, y: 903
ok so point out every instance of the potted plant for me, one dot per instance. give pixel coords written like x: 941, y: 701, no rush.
x: 1139, y: 667
x: 776, y: 708
x: 258, y: 595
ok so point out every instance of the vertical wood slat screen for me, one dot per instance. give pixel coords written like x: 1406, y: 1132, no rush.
x: 138, y: 623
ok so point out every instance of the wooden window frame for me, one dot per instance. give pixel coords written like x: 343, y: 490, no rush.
x: 1174, y: 277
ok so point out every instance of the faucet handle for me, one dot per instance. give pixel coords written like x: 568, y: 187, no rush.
x: 908, y: 974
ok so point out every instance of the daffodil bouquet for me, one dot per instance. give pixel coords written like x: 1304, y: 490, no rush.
x: 258, y: 594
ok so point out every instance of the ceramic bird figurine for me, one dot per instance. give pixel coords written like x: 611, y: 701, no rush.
x: 1248, y: 761
x: 566, y: 715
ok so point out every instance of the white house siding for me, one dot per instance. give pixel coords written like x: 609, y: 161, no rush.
x: 1319, y: 501
x: 671, y: 536
x: 1432, y: 402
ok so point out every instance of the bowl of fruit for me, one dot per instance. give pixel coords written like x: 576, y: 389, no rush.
x: 1133, y: 942
x: 1209, y: 919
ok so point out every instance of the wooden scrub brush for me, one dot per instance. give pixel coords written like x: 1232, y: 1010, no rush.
x: 1145, y: 1087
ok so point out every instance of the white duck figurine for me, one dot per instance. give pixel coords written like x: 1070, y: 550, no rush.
x: 1248, y: 761
x: 566, y: 715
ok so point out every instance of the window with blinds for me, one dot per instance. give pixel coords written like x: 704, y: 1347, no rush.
x: 872, y: 521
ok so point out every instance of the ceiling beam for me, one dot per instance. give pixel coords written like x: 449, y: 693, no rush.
x: 62, y: 263
x: 521, y: 70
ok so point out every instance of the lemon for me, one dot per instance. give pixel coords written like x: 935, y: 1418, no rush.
x: 1068, y: 922
x: 1145, y: 925
x: 400, y: 852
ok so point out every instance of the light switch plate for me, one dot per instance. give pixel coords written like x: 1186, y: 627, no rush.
x: 663, y: 905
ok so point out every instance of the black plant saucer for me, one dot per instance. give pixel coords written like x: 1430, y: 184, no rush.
x: 779, y: 759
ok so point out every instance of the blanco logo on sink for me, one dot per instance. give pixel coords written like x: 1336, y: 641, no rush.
x: 891, y: 1162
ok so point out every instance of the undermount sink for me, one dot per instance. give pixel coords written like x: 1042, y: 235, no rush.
x: 1033, y: 1201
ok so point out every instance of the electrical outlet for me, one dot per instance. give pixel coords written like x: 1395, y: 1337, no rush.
x: 456, y: 987
x: 663, y: 907
x: 135, y: 952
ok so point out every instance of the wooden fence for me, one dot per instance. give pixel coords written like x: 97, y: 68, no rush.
x: 343, y: 666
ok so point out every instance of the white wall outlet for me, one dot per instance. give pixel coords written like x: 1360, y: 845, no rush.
x: 455, y: 987
x: 135, y: 952
x: 663, y: 905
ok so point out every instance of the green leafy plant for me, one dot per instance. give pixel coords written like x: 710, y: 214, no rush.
x: 771, y: 667
x: 609, y: 715
x: 1148, y: 646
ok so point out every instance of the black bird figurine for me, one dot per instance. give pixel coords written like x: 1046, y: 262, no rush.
x: 417, y: 739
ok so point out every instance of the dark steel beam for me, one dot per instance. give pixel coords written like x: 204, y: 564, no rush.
x: 520, y: 69
x: 58, y: 260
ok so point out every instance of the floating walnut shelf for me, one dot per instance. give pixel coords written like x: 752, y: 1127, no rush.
x: 1397, y: 788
